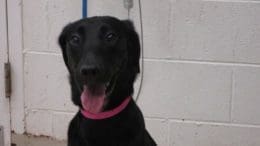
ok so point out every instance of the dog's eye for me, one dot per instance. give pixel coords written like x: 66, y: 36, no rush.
x: 75, y: 40
x: 110, y: 36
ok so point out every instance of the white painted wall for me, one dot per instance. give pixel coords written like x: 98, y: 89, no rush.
x: 201, y: 70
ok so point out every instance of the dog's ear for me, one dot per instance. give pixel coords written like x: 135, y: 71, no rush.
x: 63, y: 42
x: 133, y: 46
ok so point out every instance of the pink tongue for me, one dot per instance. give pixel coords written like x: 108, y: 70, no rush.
x: 93, y: 102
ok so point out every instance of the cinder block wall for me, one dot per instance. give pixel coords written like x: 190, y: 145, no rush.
x: 201, y: 68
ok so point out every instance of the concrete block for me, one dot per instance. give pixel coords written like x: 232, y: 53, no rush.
x: 59, y: 14
x: 216, y: 31
x: 35, y: 36
x: 246, y: 99
x: 247, y: 28
x: 186, y: 91
x: 202, y: 31
x: 159, y: 130
x: 60, y: 124
x: 38, y: 122
x: 108, y: 8
x: 203, y: 134
x: 46, y: 83
x: 43, y: 20
x: 156, y: 26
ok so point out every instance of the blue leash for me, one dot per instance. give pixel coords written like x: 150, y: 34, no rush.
x: 84, y: 8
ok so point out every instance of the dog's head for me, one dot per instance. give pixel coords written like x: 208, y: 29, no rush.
x: 102, y: 55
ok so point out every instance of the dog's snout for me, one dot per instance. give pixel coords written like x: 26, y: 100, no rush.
x: 89, y: 70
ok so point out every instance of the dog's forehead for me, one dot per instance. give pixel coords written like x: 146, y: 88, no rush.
x: 97, y: 23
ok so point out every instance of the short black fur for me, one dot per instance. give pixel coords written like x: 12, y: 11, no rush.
x: 100, y: 50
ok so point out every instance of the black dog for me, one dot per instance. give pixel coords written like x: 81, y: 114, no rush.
x: 102, y: 56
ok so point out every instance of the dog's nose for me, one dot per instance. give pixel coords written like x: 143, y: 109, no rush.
x: 89, y: 70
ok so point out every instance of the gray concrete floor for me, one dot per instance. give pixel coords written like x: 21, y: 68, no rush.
x: 28, y: 140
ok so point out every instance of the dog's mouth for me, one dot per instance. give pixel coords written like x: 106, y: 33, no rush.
x: 93, y: 98
x: 94, y: 95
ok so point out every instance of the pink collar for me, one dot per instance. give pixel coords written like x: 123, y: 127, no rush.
x: 106, y: 114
